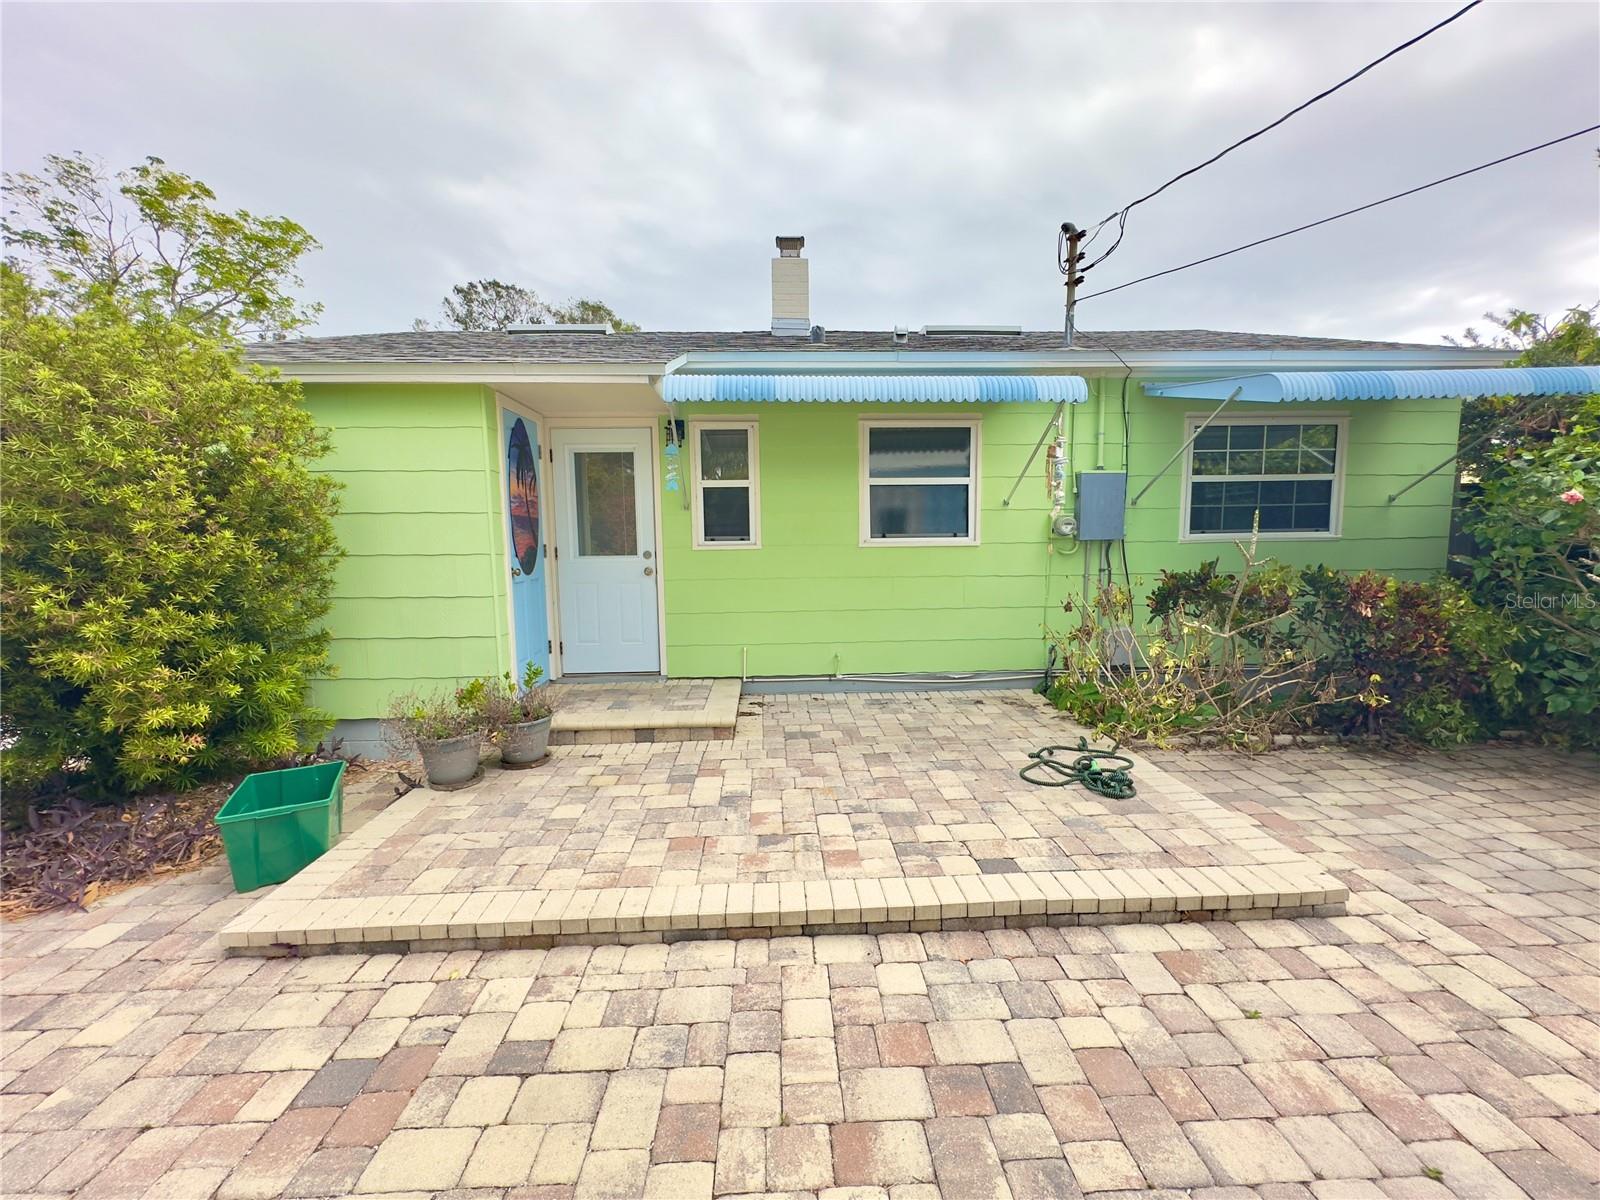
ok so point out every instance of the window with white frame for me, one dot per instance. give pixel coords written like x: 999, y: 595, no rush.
x: 1286, y: 469
x: 919, y: 482
x: 727, y: 508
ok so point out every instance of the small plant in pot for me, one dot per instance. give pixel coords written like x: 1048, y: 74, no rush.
x: 446, y: 728
x: 525, y: 736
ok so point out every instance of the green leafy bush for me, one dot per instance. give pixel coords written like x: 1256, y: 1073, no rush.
x: 1269, y: 650
x: 1536, y: 525
x: 1438, y: 718
x: 1250, y: 602
x: 168, y: 553
x: 1408, y: 639
x: 1224, y: 660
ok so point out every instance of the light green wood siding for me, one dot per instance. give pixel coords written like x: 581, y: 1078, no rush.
x: 419, y: 600
x: 812, y: 601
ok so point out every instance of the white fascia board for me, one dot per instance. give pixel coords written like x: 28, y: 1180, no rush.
x: 1212, y: 364
x: 1145, y: 363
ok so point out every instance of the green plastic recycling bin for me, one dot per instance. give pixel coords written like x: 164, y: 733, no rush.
x: 278, y: 821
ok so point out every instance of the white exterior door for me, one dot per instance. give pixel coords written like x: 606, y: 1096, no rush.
x: 607, y: 563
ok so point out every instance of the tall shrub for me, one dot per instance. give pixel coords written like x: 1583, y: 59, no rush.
x: 1436, y: 663
x: 1536, y: 525
x: 168, y: 553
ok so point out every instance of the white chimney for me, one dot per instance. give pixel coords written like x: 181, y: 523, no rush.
x: 791, y: 289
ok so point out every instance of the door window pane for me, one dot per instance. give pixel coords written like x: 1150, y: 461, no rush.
x: 724, y: 454
x: 919, y: 452
x: 725, y: 512
x: 921, y: 510
x: 604, y: 503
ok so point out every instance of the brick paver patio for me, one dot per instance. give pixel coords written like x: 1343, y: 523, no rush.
x: 1443, y: 1039
x: 838, y: 813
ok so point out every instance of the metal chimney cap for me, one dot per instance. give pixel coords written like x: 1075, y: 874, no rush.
x: 790, y: 247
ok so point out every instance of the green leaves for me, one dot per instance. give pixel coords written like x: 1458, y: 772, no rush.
x: 1536, y: 529
x: 1241, y: 657
x: 166, y: 554
x: 1496, y: 430
x: 489, y: 304
x: 152, y: 240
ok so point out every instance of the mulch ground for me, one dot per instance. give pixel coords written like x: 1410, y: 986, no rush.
x: 73, y: 854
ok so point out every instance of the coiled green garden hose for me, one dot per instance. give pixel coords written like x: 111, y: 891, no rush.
x: 1112, y: 782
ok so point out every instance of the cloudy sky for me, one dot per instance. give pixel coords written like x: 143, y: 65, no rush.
x: 647, y: 155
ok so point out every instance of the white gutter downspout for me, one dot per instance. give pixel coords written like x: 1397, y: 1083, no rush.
x: 1100, y: 433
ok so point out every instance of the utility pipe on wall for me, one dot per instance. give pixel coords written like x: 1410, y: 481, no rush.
x: 1072, y: 446
x: 1100, y: 433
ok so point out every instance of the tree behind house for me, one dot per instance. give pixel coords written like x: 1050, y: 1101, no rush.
x: 1492, y: 424
x: 152, y: 240
x: 489, y: 304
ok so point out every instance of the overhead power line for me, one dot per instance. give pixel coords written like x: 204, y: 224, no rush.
x: 1349, y: 212
x: 1121, y: 215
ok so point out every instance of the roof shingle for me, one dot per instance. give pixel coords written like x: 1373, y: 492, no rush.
x: 448, y: 346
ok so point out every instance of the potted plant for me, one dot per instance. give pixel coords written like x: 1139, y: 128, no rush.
x: 525, y: 737
x: 446, y: 728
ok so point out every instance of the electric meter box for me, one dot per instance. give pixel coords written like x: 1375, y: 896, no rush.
x: 1102, y: 505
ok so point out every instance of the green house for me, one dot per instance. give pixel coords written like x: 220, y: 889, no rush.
x: 842, y: 508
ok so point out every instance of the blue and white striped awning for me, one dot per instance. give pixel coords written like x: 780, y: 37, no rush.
x: 879, y: 389
x: 1283, y: 387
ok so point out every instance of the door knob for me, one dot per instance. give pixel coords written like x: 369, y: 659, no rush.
x: 516, y: 572
x: 649, y: 570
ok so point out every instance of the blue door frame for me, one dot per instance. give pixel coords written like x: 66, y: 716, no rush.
x: 526, y: 539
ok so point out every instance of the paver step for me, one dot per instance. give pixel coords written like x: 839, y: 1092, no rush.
x: 490, y: 917
x: 687, y: 710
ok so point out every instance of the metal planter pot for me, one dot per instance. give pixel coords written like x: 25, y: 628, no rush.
x: 524, y: 744
x: 453, y: 762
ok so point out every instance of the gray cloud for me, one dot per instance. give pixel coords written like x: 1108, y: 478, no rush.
x: 646, y: 155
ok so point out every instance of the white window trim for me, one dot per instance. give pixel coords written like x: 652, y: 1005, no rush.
x: 972, y: 480
x: 1192, y: 421
x: 699, y: 485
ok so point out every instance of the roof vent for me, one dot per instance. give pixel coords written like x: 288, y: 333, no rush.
x: 957, y: 330
x: 902, y: 335
x: 604, y: 330
x: 818, y: 335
